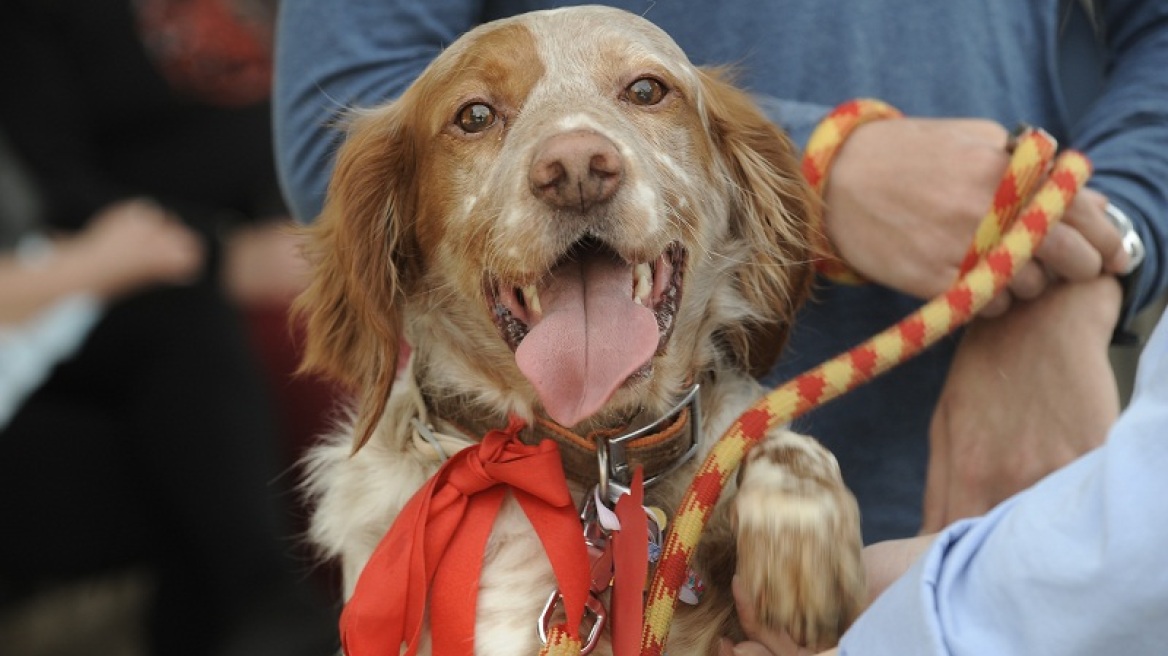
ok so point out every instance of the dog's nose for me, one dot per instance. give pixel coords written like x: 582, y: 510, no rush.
x: 576, y: 170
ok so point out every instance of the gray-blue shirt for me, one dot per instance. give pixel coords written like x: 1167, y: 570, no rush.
x: 997, y: 59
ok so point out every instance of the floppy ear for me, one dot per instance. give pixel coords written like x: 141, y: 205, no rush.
x: 361, y: 249
x: 774, y: 211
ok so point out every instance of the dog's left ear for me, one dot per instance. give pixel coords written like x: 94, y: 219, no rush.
x: 363, y: 253
x: 774, y: 211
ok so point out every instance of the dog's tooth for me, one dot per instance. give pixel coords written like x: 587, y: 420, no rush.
x: 531, y: 296
x: 642, y: 283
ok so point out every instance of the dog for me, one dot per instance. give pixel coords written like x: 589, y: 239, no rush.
x: 571, y: 224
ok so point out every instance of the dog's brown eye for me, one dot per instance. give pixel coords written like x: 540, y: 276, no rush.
x: 645, y: 91
x: 476, y: 117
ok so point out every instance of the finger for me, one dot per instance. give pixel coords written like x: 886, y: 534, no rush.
x: 997, y: 305
x: 1030, y: 281
x: 1087, y: 213
x: 1068, y: 255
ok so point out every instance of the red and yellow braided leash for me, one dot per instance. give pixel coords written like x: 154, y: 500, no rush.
x: 1002, y: 245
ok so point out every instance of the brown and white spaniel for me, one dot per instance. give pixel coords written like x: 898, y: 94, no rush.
x: 569, y: 223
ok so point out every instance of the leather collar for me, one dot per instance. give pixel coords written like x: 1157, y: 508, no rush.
x: 609, y: 456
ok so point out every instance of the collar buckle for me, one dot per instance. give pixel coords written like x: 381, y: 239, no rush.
x: 612, y: 461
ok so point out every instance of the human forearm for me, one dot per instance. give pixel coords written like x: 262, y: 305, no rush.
x: 1027, y: 393
x: 127, y: 245
x: 1069, y: 566
x: 29, y: 285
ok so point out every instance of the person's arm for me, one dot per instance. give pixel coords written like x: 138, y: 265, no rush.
x: 1050, y: 359
x: 127, y: 246
x: 1027, y: 393
x: 332, y: 57
x: 1071, y: 566
x: 1125, y: 132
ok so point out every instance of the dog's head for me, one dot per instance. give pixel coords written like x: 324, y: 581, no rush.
x: 562, y: 214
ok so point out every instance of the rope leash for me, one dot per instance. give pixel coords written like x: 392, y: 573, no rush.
x: 1002, y: 246
x: 1005, y: 240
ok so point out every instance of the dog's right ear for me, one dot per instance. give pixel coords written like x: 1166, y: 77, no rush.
x: 361, y: 250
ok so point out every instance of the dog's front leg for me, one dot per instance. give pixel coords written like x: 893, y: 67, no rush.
x: 798, y: 538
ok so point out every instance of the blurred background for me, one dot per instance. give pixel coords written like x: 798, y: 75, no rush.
x: 150, y: 418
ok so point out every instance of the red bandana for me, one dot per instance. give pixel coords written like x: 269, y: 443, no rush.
x: 432, y: 555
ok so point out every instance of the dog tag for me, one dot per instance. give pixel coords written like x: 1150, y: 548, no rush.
x: 656, y: 525
x: 600, y: 558
x: 691, y: 592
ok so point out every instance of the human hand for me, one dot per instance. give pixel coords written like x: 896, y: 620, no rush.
x: 264, y: 264
x: 905, y: 197
x: 760, y: 640
x: 132, y: 244
x: 884, y: 562
x: 1027, y: 393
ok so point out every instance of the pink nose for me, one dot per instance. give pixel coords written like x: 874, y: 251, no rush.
x: 575, y: 170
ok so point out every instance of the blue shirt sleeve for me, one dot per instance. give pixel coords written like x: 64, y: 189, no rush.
x: 338, y: 55
x: 798, y: 119
x: 1125, y: 130
x: 1074, y: 565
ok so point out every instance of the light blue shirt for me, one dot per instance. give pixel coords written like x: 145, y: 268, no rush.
x: 29, y: 350
x: 1074, y: 565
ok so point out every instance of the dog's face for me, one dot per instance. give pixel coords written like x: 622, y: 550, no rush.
x: 563, y: 215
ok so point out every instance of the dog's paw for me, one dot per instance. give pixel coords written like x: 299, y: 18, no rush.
x: 798, y: 535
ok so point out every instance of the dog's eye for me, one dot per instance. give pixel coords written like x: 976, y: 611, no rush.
x: 475, y: 117
x: 645, y: 91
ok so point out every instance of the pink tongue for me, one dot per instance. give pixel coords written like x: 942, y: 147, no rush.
x: 591, y: 338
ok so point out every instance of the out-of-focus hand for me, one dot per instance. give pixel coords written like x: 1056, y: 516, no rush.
x: 1027, y: 393
x: 905, y: 197
x: 132, y: 244
x: 264, y: 264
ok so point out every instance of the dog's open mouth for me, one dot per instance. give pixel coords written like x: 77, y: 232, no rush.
x: 593, y: 323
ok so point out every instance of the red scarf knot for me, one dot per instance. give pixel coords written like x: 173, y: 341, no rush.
x: 432, y: 555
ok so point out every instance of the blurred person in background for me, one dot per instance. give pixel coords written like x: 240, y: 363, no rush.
x: 143, y: 128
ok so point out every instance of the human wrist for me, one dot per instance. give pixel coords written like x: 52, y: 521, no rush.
x: 826, y: 143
